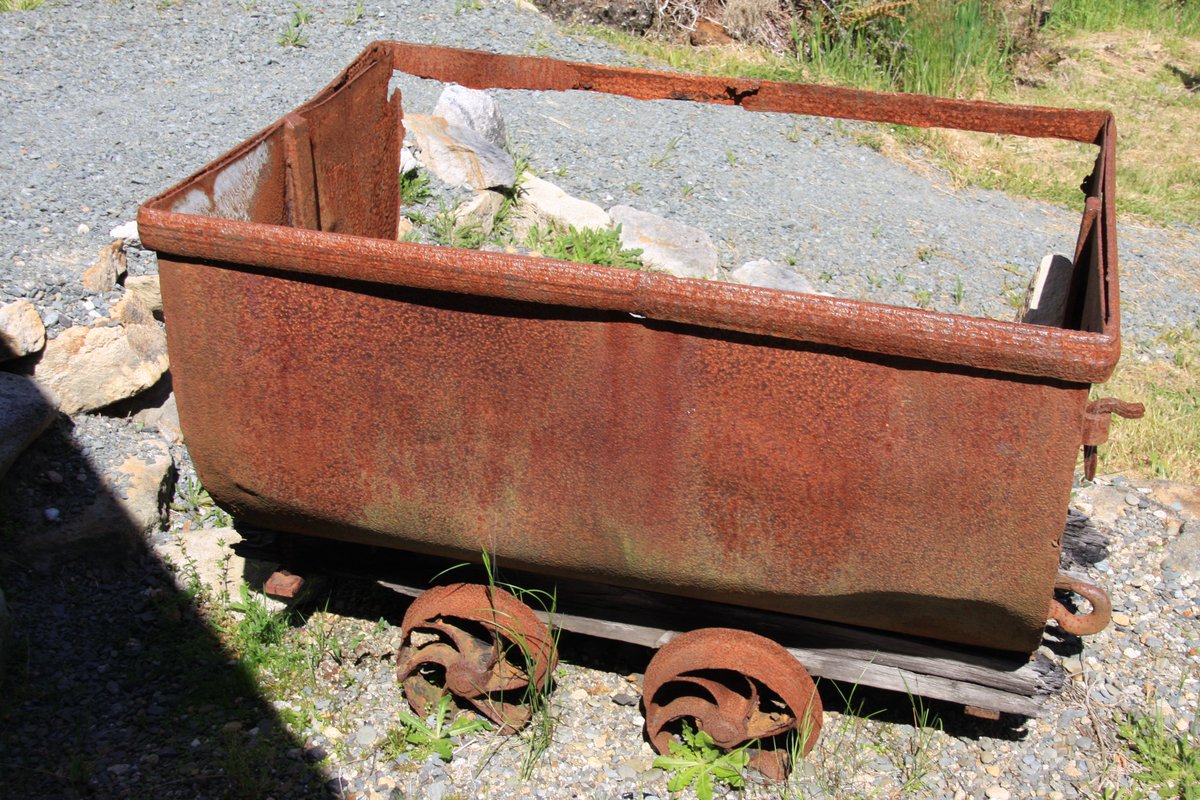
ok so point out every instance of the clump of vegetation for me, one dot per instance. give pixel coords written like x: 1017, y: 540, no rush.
x: 292, y: 34
x: 696, y: 759
x: 20, y: 5
x: 433, y: 734
x: 1170, y: 764
x: 584, y: 246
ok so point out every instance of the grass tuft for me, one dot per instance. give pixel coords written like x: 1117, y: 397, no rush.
x: 1170, y: 764
x: 20, y: 5
x: 584, y: 246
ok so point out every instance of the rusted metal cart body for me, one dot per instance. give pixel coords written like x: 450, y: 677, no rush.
x: 886, y: 467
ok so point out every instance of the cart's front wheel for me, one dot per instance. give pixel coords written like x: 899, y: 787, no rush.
x: 480, y: 644
x: 741, y: 689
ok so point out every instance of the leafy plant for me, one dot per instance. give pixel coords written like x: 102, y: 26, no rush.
x: 19, y: 5
x: 292, y: 35
x: 193, y: 500
x: 353, y: 15
x: 584, y: 246
x: 432, y: 734
x: 414, y: 187
x: 1170, y: 764
x: 923, y: 298
x: 960, y: 291
x: 259, y: 630
x: 448, y: 230
x: 695, y: 759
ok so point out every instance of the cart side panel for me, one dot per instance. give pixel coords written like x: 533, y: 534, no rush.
x: 876, y: 490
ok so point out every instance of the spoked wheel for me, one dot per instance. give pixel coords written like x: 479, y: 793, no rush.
x: 738, y: 688
x: 480, y: 644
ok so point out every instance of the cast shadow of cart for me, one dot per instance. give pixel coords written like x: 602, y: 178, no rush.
x: 113, y: 683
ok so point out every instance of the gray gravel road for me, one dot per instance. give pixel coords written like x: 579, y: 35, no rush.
x: 106, y: 104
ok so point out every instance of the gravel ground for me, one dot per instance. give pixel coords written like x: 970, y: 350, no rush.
x: 117, y: 689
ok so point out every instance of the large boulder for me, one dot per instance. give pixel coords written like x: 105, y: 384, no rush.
x: 460, y: 156
x: 673, y: 247
x: 542, y: 202
x: 89, y: 367
x: 473, y: 109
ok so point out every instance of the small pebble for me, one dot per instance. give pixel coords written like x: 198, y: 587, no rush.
x: 51, y: 514
x: 997, y: 792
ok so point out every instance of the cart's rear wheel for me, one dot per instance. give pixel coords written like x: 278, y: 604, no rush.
x: 480, y: 644
x: 739, y: 688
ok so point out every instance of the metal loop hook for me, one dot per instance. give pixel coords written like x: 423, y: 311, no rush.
x: 1081, y: 624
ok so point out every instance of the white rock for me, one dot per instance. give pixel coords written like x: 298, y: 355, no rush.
x: 543, y: 202
x: 408, y: 162
x: 474, y: 109
x: 459, y: 156
x: 769, y: 275
x: 671, y: 246
x: 24, y: 413
x: 89, y: 367
x: 126, y: 230
x: 21, y: 330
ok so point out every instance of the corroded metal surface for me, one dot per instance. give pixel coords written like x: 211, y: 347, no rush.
x: 740, y: 689
x: 478, y: 643
x: 898, y: 468
x: 1081, y: 624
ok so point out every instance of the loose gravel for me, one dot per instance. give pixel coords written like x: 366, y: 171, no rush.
x: 115, y: 687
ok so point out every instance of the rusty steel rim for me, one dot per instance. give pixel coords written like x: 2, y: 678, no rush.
x: 480, y: 644
x: 739, y: 688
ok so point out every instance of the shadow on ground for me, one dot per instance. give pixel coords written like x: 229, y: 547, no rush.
x: 113, y: 686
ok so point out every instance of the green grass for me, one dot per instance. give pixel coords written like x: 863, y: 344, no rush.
x: 292, y: 34
x: 20, y: 5
x: 414, y: 188
x: 952, y: 48
x: 584, y: 246
x: 1170, y: 765
x: 1181, y: 17
x: 1164, y: 443
x: 258, y: 636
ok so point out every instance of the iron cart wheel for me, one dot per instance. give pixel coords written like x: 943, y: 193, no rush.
x: 480, y: 644
x: 737, y: 687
